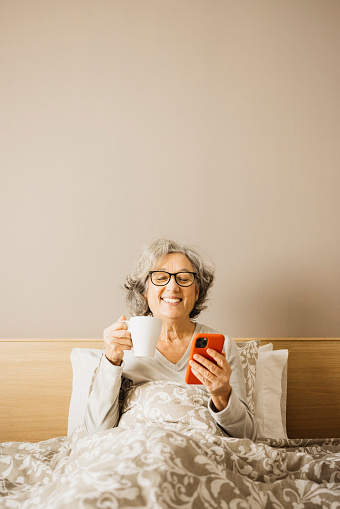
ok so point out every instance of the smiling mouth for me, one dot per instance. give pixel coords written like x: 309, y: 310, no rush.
x: 168, y: 300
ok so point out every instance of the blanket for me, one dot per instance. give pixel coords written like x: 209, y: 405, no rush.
x: 167, y: 452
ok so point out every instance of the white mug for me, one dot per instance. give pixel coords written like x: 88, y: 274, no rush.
x: 145, y: 332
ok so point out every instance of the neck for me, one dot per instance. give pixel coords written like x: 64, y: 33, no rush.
x: 176, y: 331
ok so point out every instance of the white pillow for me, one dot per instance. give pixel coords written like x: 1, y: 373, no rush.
x: 266, y: 348
x: 271, y: 392
x: 84, y: 361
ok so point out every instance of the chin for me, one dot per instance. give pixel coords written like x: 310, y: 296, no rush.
x: 174, y: 316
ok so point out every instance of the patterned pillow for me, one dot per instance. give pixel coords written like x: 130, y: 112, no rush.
x: 249, y: 352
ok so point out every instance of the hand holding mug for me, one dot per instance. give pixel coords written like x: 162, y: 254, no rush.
x: 140, y: 333
x: 117, y: 339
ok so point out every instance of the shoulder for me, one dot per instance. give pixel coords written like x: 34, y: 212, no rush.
x: 201, y: 328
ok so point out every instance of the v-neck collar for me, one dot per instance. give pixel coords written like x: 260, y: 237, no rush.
x: 183, y: 360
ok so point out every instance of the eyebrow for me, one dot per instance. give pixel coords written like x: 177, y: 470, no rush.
x: 181, y: 270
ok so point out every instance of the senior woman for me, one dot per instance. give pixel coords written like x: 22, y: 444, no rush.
x: 170, y: 282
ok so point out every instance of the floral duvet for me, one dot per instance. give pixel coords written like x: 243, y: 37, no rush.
x: 167, y: 452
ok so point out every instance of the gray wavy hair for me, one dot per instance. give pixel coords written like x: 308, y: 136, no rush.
x: 136, y: 282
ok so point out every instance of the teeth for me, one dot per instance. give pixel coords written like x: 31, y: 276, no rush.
x: 171, y: 301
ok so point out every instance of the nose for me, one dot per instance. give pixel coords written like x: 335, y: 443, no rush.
x: 172, y: 283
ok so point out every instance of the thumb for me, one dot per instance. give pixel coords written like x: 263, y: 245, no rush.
x: 123, y: 317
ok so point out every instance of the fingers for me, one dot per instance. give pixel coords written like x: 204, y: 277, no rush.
x: 220, y: 360
x: 119, y: 325
x: 198, y: 374
x: 203, y: 374
x: 117, y: 339
x: 214, y: 376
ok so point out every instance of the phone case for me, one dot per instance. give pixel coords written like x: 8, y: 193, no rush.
x: 200, y: 343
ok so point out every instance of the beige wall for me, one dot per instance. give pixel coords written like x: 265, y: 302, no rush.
x: 216, y: 122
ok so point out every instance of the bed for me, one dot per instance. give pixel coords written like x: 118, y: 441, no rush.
x: 166, y: 451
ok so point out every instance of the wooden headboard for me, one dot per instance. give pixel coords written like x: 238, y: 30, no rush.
x: 36, y: 386
x: 313, y: 395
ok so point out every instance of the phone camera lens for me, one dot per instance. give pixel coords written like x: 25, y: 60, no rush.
x: 201, y: 342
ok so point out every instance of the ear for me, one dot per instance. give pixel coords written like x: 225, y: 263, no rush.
x: 197, y: 292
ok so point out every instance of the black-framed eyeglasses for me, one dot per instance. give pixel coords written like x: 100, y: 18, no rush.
x: 162, y: 278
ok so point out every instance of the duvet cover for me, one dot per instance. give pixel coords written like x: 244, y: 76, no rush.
x: 167, y: 452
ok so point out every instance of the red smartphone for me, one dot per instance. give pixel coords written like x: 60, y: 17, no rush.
x: 200, y: 344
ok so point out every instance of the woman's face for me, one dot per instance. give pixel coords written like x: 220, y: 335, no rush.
x: 172, y: 302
